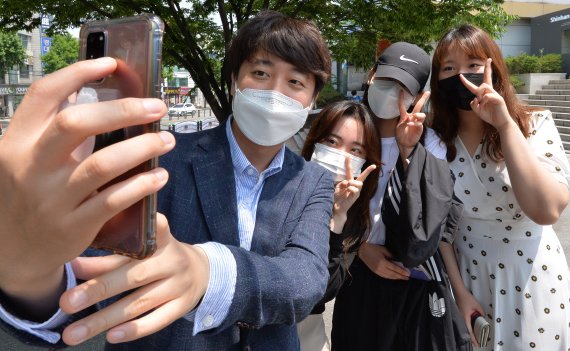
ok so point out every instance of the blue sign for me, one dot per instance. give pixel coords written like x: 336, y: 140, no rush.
x: 46, y: 21
x: 46, y: 44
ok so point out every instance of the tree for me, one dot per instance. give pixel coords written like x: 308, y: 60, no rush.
x: 63, y: 52
x: 198, y: 32
x: 11, y: 52
x: 421, y: 22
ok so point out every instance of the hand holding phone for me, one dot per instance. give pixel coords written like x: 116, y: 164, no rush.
x: 481, y: 328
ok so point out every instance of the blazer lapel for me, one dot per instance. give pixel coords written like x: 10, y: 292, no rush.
x: 215, y: 183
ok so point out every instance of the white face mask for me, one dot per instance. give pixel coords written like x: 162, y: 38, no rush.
x: 384, y: 98
x: 267, y: 117
x: 333, y: 160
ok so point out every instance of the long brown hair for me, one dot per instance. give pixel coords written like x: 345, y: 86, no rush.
x: 474, y: 42
x: 358, y: 217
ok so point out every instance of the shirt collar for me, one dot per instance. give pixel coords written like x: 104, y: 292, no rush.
x: 240, y: 161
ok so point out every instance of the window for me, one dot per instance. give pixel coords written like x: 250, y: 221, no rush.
x: 25, y: 71
x: 25, y: 39
x: 566, y: 41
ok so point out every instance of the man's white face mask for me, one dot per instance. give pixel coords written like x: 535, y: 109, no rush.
x: 333, y: 160
x: 384, y: 98
x: 267, y: 117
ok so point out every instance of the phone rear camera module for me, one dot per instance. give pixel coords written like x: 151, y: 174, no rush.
x: 95, y: 45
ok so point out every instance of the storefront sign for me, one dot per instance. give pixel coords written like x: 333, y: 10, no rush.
x: 559, y: 18
x: 172, y: 90
x: 13, y: 90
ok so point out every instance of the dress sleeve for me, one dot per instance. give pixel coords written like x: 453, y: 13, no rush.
x: 547, y: 145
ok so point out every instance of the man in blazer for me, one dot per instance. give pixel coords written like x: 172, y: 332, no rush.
x: 245, y: 255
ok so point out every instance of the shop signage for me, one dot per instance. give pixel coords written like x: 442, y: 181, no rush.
x: 172, y: 90
x: 12, y: 90
x: 559, y: 18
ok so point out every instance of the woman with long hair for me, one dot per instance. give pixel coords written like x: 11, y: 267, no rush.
x: 512, y: 176
x: 342, y: 139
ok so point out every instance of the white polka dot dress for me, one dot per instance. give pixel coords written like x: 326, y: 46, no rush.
x: 514, y: 267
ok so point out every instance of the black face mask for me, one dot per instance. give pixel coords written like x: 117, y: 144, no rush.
x: 453, y: 90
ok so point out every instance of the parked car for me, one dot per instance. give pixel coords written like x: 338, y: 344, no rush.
x: 182, y: 109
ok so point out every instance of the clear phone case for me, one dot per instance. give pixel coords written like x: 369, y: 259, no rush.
x: 136, y: 44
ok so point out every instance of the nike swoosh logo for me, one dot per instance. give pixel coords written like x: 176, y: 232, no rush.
x: 403, y: 58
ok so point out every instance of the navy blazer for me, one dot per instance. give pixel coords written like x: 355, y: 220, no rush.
x: 283, y: 275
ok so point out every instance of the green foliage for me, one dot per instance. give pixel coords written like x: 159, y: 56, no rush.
x: 421, y: 22
x: 11, y: 51
x: 63, y: 52
x: 551, y: 63
x: 516, y: 82
x: 525, y: 63
x: 328, y: 95
x: 167, y: 72
x: 522, y: 63
x: 198, y: 32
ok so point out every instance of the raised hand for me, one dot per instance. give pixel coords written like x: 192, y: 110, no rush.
x: 169, y: 284
x: 410, y: 126
x: 488, y: 104
x: 50, y: 209
x: 346, y: 193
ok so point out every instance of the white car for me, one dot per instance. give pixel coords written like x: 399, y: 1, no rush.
x: 182, y: 109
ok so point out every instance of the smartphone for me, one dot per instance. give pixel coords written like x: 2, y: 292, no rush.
x: 481, y: 328
x: 136, y: 44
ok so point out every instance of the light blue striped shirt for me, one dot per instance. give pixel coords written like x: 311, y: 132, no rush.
x: 223, y: 271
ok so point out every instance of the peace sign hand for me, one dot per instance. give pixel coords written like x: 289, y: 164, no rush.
x: 488, y: 104
x: 410, y: 126
x: 346, y: 193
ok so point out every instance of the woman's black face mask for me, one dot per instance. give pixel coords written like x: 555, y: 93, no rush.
x: 453, y: 90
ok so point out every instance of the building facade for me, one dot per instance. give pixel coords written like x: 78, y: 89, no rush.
x: 182, y: 88
x: 542, y: 28
x: 15, y: 83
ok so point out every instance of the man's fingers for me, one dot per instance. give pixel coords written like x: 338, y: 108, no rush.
x: 420, y: 104
x: 86, y: 268
x: 149, y: 324
x: 129, y: 307
x: 117, y: 159
x: 366, y: 172
x: 61, y: 84
x: 75, y: 123
x: 107, y: 203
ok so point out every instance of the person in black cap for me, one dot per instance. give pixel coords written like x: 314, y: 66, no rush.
x: 385, y: 305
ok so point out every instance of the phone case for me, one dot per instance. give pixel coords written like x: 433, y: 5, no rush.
x: 481, y: 330
x: 136, y: 43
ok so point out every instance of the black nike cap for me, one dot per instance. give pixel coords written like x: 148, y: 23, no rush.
x: 407, y: 63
